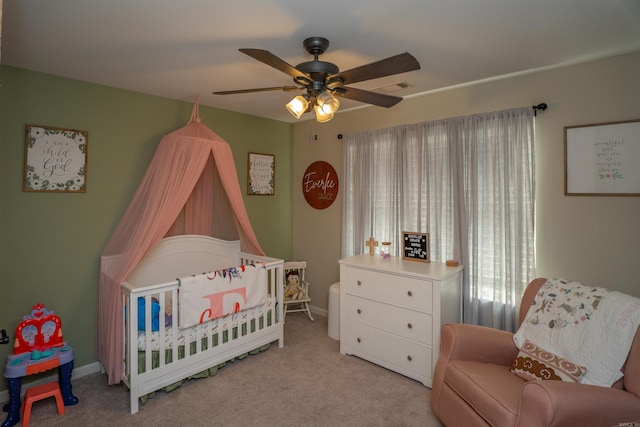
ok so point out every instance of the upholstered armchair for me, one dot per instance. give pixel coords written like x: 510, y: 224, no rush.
x: 473, y: 384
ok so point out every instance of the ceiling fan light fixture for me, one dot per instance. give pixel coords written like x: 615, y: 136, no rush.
x: 324, y: 82
x: 321, y: 115
x: 327, y: 102
x: 298, y: 105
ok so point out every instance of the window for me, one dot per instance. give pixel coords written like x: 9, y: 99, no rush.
x: 469, y: 183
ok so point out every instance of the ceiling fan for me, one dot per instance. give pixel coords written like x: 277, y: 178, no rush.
x: 323, y: 82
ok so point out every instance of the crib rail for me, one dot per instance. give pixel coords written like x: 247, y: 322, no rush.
x: 207, y: 345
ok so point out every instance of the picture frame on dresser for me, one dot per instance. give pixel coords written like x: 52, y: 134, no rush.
x: 415, y: 246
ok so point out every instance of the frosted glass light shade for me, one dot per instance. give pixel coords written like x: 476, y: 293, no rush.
x: 297, y: 106
x: 328, y: 102
x: 321, y: 115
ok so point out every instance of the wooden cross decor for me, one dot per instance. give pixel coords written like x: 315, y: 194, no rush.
x: 372, y: 243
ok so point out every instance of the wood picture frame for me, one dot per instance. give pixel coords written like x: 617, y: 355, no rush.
x: 602, y: 159
x: 415, y: 246
x: 261, y: 174
x: 55, y: 159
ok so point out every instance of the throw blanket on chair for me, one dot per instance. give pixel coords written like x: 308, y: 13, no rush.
x: 208, y: 296
x: 588, y: 326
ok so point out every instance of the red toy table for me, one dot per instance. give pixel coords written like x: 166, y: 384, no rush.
x: 38, y: 348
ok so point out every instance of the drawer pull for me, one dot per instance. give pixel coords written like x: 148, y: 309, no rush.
x: 410, y: 293
x: 359, y: 282
x: 359, y: 311
x: 358, y: 339
x: 409, y: 358
x: 409, y: 325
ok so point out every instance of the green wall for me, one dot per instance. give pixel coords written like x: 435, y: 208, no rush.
x: 50, y: 243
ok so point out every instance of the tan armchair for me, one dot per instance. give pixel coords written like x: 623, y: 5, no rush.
x: 473, y: 384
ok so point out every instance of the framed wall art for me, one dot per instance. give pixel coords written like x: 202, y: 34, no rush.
x: 55, y: 159
x: 262, y: 174
x: 415, y: 246
x: 602, y: 159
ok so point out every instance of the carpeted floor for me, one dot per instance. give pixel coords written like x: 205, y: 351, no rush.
x: 305, y: 383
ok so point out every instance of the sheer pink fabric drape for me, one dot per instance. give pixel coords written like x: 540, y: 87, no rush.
x: 179, y: 194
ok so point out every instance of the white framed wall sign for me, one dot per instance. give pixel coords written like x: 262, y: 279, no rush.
x: 262, y: 174
x: 55, y: 159
x: 602, y: 159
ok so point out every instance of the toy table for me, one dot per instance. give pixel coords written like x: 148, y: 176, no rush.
x: 38, y: 348
x: 21, y: 365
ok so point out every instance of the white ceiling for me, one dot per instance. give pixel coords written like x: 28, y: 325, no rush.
x: 183, y: 48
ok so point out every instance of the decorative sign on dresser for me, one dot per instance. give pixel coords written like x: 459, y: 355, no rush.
x: 415, y: 246
x: 392, y: 310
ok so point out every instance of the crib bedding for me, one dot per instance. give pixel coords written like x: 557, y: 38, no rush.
x: 208, y: 296
x: 155, y: 357
x: 237, y: 324
x: 190, y: 335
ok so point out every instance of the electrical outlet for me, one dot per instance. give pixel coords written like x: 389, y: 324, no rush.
x: 4, y: 339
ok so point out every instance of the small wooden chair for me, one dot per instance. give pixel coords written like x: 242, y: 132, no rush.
x: 296, y: 288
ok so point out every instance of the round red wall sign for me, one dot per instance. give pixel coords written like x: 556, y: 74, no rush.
x: 320, y: 185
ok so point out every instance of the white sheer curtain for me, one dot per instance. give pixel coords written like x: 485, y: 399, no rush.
x: 469, y: 183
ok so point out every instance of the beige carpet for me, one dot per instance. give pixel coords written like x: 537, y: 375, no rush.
x: 306, y: 383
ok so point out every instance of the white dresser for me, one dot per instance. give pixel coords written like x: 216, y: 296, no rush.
x: 391, y: 311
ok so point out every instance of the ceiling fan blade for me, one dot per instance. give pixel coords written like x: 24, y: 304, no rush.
x: 379, y: 99
x: 385, y: 67
x: 260, y: 89
x: 270, y: 59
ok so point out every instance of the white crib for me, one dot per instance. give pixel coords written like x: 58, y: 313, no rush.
x: 176, y: 354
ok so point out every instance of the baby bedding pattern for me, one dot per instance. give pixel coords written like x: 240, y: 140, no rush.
x: 215, y: 294
x: 191, y: 334
x: 589, y: 326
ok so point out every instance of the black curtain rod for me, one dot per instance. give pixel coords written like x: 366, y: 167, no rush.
x: 542, y: 106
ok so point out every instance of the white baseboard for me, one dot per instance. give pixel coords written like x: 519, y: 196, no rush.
x: 319, y: 311
x: 79, y: 372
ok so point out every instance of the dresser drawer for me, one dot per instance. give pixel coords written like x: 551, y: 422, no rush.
x: 390, y: 351
x: 409, y: 324
x: 393, y: 289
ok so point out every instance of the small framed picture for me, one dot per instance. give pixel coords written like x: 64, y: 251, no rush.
x: 262, y: 174
x: 415, y: 246
x: 55, y: 160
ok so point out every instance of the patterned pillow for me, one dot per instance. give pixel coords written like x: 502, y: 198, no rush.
x: 535, y: 363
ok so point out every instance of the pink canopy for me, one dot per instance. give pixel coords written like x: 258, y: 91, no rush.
x: 190, y: 187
